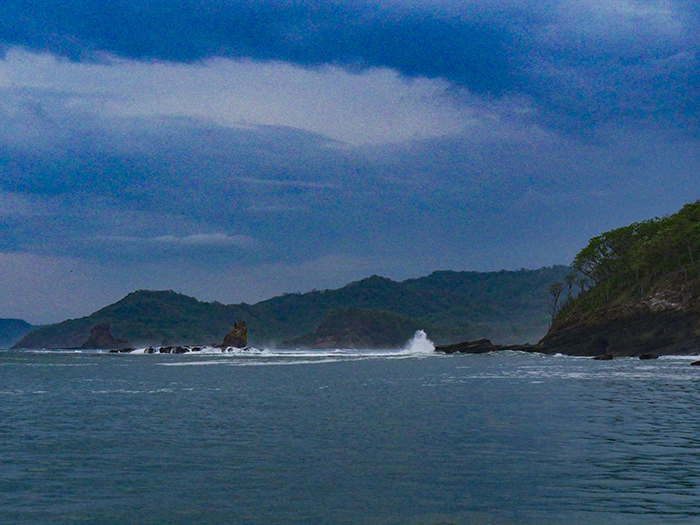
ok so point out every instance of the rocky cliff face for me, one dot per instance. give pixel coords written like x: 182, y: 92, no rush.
x: 666, y: 321
x: 640, y: 292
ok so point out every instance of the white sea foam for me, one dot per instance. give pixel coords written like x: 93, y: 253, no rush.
x: 206, y: 350
x: 420, y: 345
x: 255, y: 362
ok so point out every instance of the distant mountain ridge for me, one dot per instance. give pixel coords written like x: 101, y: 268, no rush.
x: 505, y: 306
x: 11, y: 330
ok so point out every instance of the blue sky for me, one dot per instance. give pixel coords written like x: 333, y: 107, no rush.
x: 236, y: 150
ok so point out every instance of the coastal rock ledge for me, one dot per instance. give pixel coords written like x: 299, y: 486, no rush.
x: 483, y: 346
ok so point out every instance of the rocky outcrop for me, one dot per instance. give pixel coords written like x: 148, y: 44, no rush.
x: 238, y: 337
x: 101, y: 338
x: 666, y: 322
x: 184, y: 350
x: 483, y: 346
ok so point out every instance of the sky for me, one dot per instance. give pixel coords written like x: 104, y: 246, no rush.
x: 237, y: 150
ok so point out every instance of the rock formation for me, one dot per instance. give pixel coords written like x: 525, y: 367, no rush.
x: 665, y: 321
x: 483, y: 346
x: 101, y: 338
x: 238, y: 337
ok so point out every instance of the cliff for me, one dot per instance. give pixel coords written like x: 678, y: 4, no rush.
x: 641, y: 292
x: 664, y: 321
x: 638, y: 294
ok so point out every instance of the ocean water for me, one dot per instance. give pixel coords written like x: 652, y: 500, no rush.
x: 347, y: 437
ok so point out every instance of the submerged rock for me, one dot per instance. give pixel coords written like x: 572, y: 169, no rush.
x: 603, y: 357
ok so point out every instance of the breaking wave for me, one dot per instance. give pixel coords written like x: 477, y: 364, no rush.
x: 420, y: 344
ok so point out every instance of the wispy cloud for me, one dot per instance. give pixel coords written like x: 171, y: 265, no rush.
x: 200, y: 240
x: 287, y: 183
x: 357, y: 35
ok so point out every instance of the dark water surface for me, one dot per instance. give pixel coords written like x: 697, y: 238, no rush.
x: 347, y: 439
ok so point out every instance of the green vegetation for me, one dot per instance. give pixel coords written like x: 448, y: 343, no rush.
x: 356, y: 328
x: 11, y: 330
x: 628, y: 263
x: 504, y: 306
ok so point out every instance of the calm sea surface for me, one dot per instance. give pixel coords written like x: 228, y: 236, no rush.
x: 347, y: 438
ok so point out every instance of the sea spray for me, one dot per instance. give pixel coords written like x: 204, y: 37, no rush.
x: 420, y: 344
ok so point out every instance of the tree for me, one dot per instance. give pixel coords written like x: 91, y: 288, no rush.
x: 554, y: 292
x: 571, y: 279
x: 629, y: 261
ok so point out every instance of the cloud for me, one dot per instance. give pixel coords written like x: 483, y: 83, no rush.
x: 165, y: 188
x: 356, y: 35
x: 571, y: 65
x: 375, y: 106
x: 199, y: 240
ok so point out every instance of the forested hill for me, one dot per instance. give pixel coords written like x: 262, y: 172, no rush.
x: 11, y: 330
x: 506, y: 306
x: 642, y: 292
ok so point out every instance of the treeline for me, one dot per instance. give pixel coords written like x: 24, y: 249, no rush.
x: 627, y: 262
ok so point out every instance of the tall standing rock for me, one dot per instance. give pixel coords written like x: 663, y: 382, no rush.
x: 102, y: 338
x: 238, y: 337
